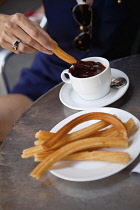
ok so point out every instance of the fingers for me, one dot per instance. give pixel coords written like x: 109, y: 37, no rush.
x: 18, y: 27
x: 18, y: 32
x: 22, y: 48
x: 31, y: 29
x: 8, y: 41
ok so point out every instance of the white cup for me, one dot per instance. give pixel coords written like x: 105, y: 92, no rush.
x: 91, y: 88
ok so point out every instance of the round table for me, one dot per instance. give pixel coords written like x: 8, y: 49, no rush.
x: 19, y: 191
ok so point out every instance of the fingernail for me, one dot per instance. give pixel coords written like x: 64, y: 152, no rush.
x: 50, y: 47
x: 48, y: 52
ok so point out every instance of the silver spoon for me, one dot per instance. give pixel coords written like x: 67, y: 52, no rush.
x: 118, y: 82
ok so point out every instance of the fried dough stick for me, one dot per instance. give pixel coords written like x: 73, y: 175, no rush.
x: 39, y: 142
x: 62, y: 54
x: 68, y: 58
x: 69, y: 137
x: 117, y: 123
x: 82, y: 133
x: 111, y: 119
x: 31, y: 151
x: 38, y: 157
x: 75, y: 147
x: 130, y: 127
x: 43, y: 135
x: 115, y: 157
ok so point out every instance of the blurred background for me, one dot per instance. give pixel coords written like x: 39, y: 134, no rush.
x: 16, y: 62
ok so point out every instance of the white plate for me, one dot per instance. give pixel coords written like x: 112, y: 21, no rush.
x: 82, y: 171
x: 72, y: 100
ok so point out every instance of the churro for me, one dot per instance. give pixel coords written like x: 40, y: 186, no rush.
x: 87, y: 65
x: 75, y: 147
x: 80, y: 134
x: 116, y: 157
x: 119, y: 126
x: 38, y: 142
x: 31, y: 151
x: 90, y: 131
x: 43, y: 135
x: 62, y: 54
x: 129, y: 125
x: 83, y: 144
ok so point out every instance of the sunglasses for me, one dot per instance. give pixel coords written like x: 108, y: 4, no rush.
x: 82, y: 14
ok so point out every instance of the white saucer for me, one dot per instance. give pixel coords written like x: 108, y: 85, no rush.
x: 72, y: 100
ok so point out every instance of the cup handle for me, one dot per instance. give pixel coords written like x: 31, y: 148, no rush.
x: 64, y: 78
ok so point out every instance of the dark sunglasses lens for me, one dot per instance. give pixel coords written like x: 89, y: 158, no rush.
x: 82, y: 42
x: 82, y: 14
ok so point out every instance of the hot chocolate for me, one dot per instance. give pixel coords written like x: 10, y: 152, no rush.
x: 83, y: 71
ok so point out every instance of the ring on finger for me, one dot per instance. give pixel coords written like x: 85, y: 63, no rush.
x: 15, y: 45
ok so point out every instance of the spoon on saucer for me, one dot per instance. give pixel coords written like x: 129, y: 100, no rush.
x: 118, y: 82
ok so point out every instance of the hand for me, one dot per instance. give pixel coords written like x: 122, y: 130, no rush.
x: 18, y: 27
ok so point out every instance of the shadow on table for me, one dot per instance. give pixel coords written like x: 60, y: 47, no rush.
x: 94, y: 189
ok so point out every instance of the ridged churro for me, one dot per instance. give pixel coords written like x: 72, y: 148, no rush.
x: 46, y: 136
x: 119, y: 126
x: 129, y: 125
x: 43, y: 135
x: 83, y: 144
x: 31, y: 151
x: 62, y: 54
x: 75, y: 147
x: 115, y: 157
x: 90, y: 131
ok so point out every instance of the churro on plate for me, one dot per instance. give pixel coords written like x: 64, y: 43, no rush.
x: 82, y: 145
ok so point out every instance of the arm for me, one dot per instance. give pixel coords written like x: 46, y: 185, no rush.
x: 11, y: 107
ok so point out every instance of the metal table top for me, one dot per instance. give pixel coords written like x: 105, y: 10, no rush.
x: 19, y: 191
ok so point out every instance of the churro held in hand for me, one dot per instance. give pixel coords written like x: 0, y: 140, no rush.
x: 70, y: 59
